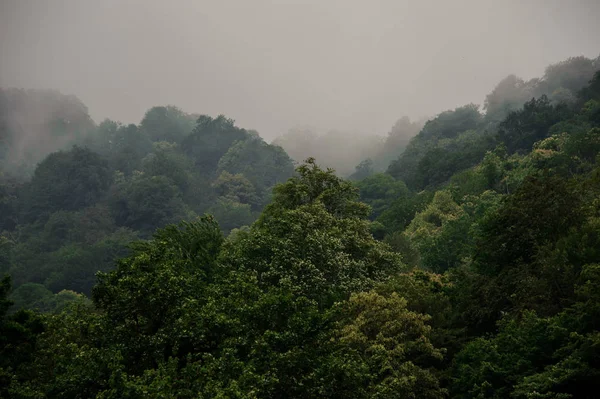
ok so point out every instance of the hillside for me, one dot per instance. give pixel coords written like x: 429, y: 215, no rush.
x: 469, y: 268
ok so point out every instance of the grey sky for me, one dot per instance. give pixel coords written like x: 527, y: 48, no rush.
x: 271, y: 65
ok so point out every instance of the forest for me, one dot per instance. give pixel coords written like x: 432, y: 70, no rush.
x: 457, y: 257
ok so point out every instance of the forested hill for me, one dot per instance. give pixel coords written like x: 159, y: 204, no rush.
x: 66, y: 214
x: 470, y: 268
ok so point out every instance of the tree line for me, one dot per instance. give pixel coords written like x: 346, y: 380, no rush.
x: 470, y: 268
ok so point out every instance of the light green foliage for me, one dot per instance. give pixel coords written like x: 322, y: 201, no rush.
x: 429, y: 222
x: 444, y: 235
x: 385, y: 350
x: 429, y: 293
x: 568, y: 153
x: 314, y: 240
x: 440, y: 232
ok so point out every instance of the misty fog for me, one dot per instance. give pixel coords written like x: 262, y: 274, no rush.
x: 352, y: 66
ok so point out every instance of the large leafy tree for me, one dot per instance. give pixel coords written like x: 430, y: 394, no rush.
x: 381, y: 349
x: 210, y: 140
x: 262, y: 164
x: 314, y: 239
x: 146, y: 202
x: 522, y: 128
x: 66, y: 180
x: 167, y: 124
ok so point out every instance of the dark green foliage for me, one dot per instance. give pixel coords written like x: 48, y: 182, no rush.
x: 85, y: 204
x: 445, y: 145
x: 148, y: 292
x: 18, y: 335
x: 9, y: 203
x: 450, y: 123
x: 146, y: 202
x: 167, y: 124
x: 524, y: 127
x: 69, y: 181
x: 380, y: 191
x: 166, y: 160
x: 37, y: 297
x: 591, y: 91
x: 232, y: 214
x: 210, y: 140
x: 123, y: 146
x: 543, y: 209
x: 262, y: 164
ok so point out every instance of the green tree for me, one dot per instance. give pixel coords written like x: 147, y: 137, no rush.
x: 146, y: 298
x: 210, y: 140
x: 18, y: 338
x: 314, y: 239
x: 166, y: 160
x: 147, y: 202
x: 167, y: 124
x: 380, y: 191
x: 522, y: 128
x: 66, y: 180
x: 262, y: 164
x: 382, y: 349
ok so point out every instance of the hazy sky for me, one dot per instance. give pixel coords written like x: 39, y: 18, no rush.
x: 271, y: 65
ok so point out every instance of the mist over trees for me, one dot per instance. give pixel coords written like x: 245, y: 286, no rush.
x: 343, y: 151
x: 186, y: 257
x: 75, y: 211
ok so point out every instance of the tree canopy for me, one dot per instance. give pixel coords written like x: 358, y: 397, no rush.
x: 186, y: 257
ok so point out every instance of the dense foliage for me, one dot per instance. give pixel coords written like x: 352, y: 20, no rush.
x: 111, y: 184
x: 470, y: 269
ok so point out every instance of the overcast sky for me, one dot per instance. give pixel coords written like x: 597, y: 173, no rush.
x: 271, y: 65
